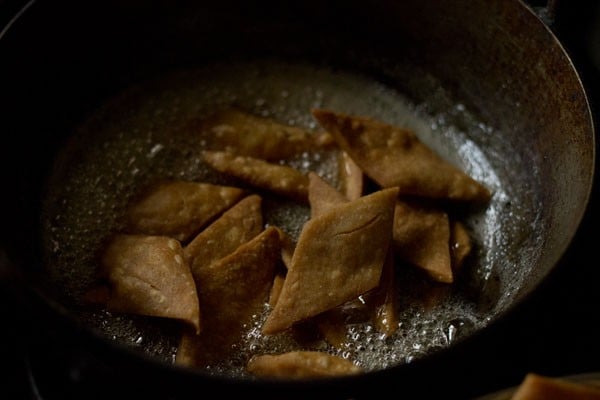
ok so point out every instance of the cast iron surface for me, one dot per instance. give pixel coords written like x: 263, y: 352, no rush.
x: 60, y: 87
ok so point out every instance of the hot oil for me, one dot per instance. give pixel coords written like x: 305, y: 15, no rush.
x: 143, y: 136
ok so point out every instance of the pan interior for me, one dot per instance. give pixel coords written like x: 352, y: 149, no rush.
x: 140, y: 136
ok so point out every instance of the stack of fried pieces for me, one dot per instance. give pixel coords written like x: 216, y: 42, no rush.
x: 201, y: 253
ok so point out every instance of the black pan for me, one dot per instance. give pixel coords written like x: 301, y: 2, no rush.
x: 490, y: 72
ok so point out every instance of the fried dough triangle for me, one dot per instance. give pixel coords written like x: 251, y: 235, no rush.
x: 395, y: 157
x: 460, y: 248
x: 235, y: 227
x: 287, y: 247
x: 178, y: 209
x: 322, y: 197
x: 460, y: 244
x: 351, y: 177
x: 378, y: 306
x: 231, y: 291
x: 149, y: 276
x: 245, y: 134
x: 381, y: 301
x: 280, y: 179
x: 301, y: 364
x: 422, y: 237
x: 541, y: 387
x: 276, y: 289
x: 339, y: 256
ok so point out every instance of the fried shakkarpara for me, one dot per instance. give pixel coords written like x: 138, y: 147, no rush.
x: 422, y: 237
x: 377, y: 306
x: 244, y: 134
x: 538, y: 387
x: 339, y: 255
x: 460, y: 244
x: 380, y: 302
x: 301, y: 364
x: 178, y: 209
x: 287, y: 247
x: 231, y: 290
x: 148, y: 275
x: 351, y: 177
x: 276, y: 289
x: 235, y: 227
x: 322, y: 197
x: 395, y: 157
x: 280, y: 179
x: 383, y: 299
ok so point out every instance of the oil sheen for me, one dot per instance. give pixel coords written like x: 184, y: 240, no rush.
x: 143, y: 135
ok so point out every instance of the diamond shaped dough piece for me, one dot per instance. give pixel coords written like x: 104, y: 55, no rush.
x: 395, y: 157
x: 422, y: 238
x: 235, y: 227
x: 460, y: 244
x: 231, y: 291
x: 301, y: 364
x: 149, y: 276
x: 351, y: 177
x: 543, y: 387
x: 381, y: 301
x: 244, y: 134
x: 178, y: 209
x: 280, y: 179
x: 339, y: 256
x: 322, y: 197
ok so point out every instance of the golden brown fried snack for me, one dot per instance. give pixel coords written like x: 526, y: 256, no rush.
x: 276, y: 289
x: 322, y: 197
x: 383, y: 299
x: 332, y: 326
x: 235, y: 227
x: 395, y: 157
x: 351, y: 177
x: 245, y: 134
x: 460, y: 244
x: 538, y: 387
x: 280, y: 179
x: 339, y: 256
x: 421, y: 237
x: 301, y: 364
x: 178, y: 209
x: 287, y: 247
x: 231, y: 291
x: 380, y: 301
x: 149, y: 276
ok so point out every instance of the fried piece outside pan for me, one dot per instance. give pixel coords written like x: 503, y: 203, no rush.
x: 339, y: 256
x: 279, y: 179
x: 237, y: 131
x: 539, y: 387
x: 178, y: 209
x: 231, y: 290
x: 148, y: 275
x: 301, y: 364
x: 395, y: 157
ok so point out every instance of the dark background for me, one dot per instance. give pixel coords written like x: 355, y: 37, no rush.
x: 555, y: 332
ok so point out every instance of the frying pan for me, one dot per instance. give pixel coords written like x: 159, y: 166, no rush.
x: 496, y: 59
